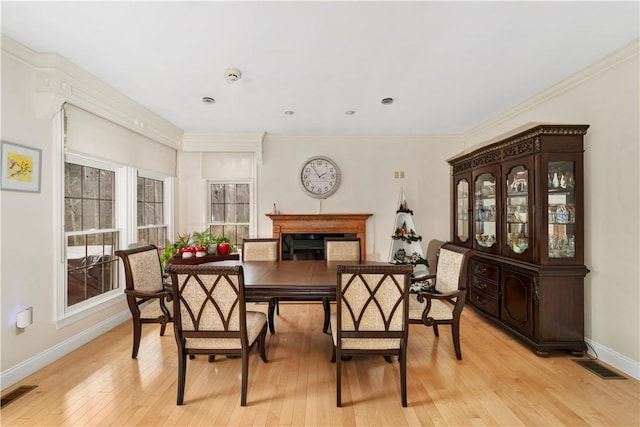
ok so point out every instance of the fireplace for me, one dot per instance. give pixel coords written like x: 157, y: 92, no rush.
x: 302, y: 236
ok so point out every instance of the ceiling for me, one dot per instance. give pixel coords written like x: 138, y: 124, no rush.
x: 449, y: 66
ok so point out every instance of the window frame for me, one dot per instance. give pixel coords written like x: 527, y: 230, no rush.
x: 167, y: 202
x: 125, y: 224
x: 252, y: 203
x: 66, y: 315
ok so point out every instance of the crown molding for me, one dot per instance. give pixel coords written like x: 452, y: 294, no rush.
x: 241, y: 142
x: 59, y: 81
x: 626, y: 53
x: 447, y: 138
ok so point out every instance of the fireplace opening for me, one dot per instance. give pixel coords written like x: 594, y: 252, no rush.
x: 306, y: 246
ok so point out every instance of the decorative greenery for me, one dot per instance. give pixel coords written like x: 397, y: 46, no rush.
x: 402, y: 233
x: 185, y: 240
x: 413, y: 259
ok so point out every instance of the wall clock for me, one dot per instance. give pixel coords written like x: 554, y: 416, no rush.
x: 319, y: 177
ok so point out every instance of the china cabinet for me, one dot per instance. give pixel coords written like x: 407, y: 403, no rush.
x: 518, y: 203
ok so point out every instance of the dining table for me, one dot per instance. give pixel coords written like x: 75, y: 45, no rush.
x: 295, y: 280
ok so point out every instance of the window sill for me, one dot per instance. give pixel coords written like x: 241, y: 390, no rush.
x: 88, y: 308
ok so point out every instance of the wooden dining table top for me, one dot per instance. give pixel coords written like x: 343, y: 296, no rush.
x: 292, y: 278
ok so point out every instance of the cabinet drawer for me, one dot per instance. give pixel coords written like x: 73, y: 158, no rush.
x: 485, y: 286
x: 485, y: 270
x: 485, y: 303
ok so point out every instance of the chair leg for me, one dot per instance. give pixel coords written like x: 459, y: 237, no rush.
x: 435, y: 329
x: 388, y: 359
x: 455, y: 332
x: 182, y: 373
x: 326, y: 304
x: 403, y: 376
x: 333, y: 355
x: 278, y: 307
x: 163, y: 326
x: 137, y: 332
x: 245, y: 373
x: 338, y: 380
x: 262, y: 344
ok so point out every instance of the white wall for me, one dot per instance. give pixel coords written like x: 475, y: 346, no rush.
x: 28, y: 232
x: 367, y: 165
x: 34, y: 87
x: 607, y: 97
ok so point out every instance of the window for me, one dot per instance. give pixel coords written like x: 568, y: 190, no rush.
x: 91, y: 240
x: 230, y: 211
x: 150, y: 206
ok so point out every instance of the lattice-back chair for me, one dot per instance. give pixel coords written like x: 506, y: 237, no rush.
x: 146, y: 294
x: 371, y: 316
x: 342, y: 249
x: 263, y: 249
x: 443, y: 305
x: 211, y: 318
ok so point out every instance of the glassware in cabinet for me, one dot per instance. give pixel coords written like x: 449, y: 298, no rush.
x: 485, y: 211
x: 462, y: 211
x: 518, y: 218
x: 561, y: 209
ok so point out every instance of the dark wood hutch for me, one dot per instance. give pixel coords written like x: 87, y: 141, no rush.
x: 519, y: 203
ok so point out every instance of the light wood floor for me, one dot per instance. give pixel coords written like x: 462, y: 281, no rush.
x: 498, y: 382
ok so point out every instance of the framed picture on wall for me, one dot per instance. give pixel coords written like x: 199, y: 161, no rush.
x: 20, y: 167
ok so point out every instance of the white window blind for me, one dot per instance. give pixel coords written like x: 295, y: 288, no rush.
x: 92, y: 135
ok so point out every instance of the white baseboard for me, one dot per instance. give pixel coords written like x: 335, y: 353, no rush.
x: 620, y: 362
x: 50, y: 355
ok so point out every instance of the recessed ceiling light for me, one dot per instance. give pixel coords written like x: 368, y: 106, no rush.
x: 289, y: 113
x: 208, y: 100
x: 349, y: 112
x: 387, y: 101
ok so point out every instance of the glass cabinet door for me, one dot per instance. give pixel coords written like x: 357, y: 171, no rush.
x: 561, y: 206
x: 517, y: 209
x: 485, y: 213
x: 462, y: 225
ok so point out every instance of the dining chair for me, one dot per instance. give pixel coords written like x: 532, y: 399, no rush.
x: 342, y: 249
x: 339, y: 249
x: 146, y: 294
x: 443, y: 305
x: 371, y: 316
x: 211, y: 318
x: 424, y: 279
x: 260, y: 249
x: 263, y: 249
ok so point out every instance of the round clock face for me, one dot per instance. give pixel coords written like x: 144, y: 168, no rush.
x: 319, y: 177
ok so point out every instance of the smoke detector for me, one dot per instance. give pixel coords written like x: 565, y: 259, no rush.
x: 232, y: 74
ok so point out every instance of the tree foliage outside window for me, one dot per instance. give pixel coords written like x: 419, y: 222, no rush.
x: 230, y: 211
x: 91, y: 240
x: 150, y: 207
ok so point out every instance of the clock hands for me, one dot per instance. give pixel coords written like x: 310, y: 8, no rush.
x: 316, y: 171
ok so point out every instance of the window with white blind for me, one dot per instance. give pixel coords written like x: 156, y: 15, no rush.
x: 109, y: 200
